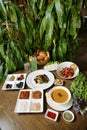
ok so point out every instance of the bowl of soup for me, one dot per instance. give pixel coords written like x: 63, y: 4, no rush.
x: 60, y: 95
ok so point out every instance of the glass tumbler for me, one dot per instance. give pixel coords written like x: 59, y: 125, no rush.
x: 33, y: 63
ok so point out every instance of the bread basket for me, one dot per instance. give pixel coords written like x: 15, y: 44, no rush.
x: 42, y: 57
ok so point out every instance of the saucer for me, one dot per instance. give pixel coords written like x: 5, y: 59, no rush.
x: 59, y: 107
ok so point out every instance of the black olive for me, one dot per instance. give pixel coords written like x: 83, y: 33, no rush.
x: 19, y: 85
x: 9, y: 86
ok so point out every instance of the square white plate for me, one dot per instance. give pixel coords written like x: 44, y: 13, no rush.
x: 29, y: 101
x: 14, y: 82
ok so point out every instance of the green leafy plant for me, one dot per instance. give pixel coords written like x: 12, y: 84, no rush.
x: 79, y: 87
x: 79, y: 93
x: 12, y: 49
x: 59, y: 28
x: 54, y: 26
x: 51, y: 25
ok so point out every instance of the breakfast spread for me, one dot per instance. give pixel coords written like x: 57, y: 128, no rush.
x: 31, y: 100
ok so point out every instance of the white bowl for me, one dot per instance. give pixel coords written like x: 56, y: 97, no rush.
x: 68, y: 116
x: 61, y: 94
x: 67, y: 64
x: 51, y: 114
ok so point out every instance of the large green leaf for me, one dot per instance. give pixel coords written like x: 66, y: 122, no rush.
x: 34, y: 7
x: 23, y: 27
x: 49, y: 32
x: 41, y: 4
x: 62, y: 47
x: 49, y: 9
x: 79, y: 5
x: 2, y: 8
x: 62, y: 32
x: 54, y: 50
x: 20, y: 54
x: 2, y: 51
x: 59, y: 11
x: 68, y: 4
x: 10, y: 66
x: 12, y: 11
x: 48, y: 26
x: 59, y: 52
x: 42, y: 27
x: 1, y: 69
x: 1, y: 73
x: 75, y: 22
x: 1, y: 35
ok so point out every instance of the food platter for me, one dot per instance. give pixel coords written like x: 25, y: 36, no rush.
x: 30, y: 80
x: 64, y: 69
x: 14, y: 82
x: 29, y: 101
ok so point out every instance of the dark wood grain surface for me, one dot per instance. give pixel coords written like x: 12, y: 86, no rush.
x: 14, y: 121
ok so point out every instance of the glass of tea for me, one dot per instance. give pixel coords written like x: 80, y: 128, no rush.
x: 33, y: 63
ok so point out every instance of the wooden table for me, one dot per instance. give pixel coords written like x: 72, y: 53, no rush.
x: 13, y: 121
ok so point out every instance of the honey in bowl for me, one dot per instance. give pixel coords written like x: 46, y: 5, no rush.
x: 60, y: 95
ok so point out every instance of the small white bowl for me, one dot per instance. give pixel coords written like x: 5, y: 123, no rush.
x: 58, y: 82
x: 65, y: 89
x: 68, y: 116
x: 51, y: 114
x: 67, y: 64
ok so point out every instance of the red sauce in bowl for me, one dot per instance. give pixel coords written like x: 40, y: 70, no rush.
x: 51, y: 115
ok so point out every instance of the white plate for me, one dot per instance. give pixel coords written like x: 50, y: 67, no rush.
x: 30, y: 104
x: 55, y: 106
x: 59, y: 107
x: 67, y: 64
x: 51, y: 67
x: 15, y: 83
x: 32, y: 84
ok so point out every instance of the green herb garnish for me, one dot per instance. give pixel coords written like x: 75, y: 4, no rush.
x: 79, y: 87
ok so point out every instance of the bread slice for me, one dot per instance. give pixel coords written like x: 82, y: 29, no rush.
x: 73, y: 66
